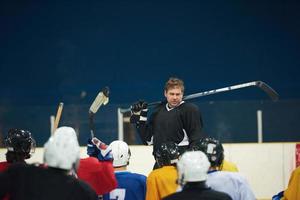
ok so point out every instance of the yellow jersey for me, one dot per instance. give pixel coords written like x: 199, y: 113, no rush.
x: 229, y: 166
x: 161, y: 182
x: 293, y: 190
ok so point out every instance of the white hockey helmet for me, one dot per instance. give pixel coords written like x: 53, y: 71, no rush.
x: 62, y: 149
x: 121, y: 153
x: 192, y: 167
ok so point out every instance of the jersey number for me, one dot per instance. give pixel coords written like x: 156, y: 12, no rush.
x: 117, y: 194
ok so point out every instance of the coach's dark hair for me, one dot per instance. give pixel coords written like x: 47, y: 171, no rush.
x: 174, y: 82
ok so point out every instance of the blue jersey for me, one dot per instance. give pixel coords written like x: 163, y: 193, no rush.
x: 131, y: 186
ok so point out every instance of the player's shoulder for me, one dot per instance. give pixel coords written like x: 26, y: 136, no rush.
x: 89, y: 160
x: 136, y: 174
x: 129, y: 174
x: 161, y: 172
x: 234, y: 176
x: 139, y: 177
x: 22, y: 168
x: 17, y: 166
x: 4, y: 165
x: 90, y: 164
x: 189, y: 106
x: 176, y: 195
x: 158, y: 108
x: 220, y: 195
x: 154, y: 173
x: 83, y: 187
x: 93, y: 162
x: 135, y: 177
x: 296, y: 171
x: 229, y: 166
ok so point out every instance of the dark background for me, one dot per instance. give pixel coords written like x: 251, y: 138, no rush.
x: 66, y: 51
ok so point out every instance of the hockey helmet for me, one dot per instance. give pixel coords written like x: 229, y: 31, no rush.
x: 20, y: 141
x: 192, y: 167
x: 212, y: 148
x: 120, y: 152
x: 62, y: 149
x: 167, y: 154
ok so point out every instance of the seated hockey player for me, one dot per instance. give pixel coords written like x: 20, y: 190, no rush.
x: 20, y: 146
x: 131, y: 186
x: 236, y: 184
x: 228, y: 166
x: 293, y: 190
x: 97, y: 169
x: 192, y: 170
x: 162, y: 181
x: 30, y: 182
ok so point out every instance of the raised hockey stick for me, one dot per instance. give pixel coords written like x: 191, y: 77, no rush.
x: 101, y: 99
x: 58, y: 115
x: 260, y: 84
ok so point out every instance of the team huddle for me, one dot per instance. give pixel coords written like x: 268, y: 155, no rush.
x: 189, y: 165
x: 63, y: 175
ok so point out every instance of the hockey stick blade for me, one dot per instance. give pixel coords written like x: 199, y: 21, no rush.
x: 268, y: 90
x: 260, y: 84
x: 101, y: 99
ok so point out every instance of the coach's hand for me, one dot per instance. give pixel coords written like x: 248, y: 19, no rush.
x: 138, y: 106
x: 139, y: 113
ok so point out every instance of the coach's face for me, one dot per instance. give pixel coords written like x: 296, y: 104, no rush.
x: 174, y: 96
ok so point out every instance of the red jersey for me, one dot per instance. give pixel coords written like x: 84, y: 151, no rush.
x: 98, y: 174
x: 4, y: 165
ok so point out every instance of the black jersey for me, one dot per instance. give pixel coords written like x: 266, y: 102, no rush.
x: 198, y: 190
x: 182, y: 125
x: 32, y: 182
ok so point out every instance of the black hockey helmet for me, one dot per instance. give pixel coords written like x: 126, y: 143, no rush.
x: 212, y: 148
x: 20, y: 141
x: 167, y: 154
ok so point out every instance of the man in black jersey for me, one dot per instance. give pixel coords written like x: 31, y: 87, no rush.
x: 173, y: 120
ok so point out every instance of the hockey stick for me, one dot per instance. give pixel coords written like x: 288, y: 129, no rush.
x: 260, y: 84
x: 58, y: 115
x: 101, y: 99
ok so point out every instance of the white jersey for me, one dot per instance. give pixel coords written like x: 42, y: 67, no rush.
x: 232, y: 183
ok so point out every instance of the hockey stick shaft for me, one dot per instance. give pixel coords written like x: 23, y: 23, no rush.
x: 92, y: 124
x: 260, y: 84
x: 266, y: 88
x: 58, y: 115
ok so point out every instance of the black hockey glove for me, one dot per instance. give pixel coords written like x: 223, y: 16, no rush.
x: 138, y: 106
x: 139, y: 112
